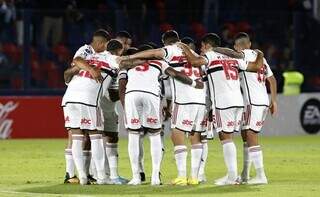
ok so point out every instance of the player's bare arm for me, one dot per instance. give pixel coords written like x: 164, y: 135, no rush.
x: 94, y: 72
x: 257, y: 64
x: 148, y: 54
x: 229, y: 52
x: 130, y: 63
x: 122, y: 90
x: 192, y: 58
x: 69, y: 73
x: 183, y: 78
x: 273, y: 89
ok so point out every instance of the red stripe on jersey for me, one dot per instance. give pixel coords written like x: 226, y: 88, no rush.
x: 222, y: 62
x: 178, y: 59
x: 155, y: 63
x: 98, y: 63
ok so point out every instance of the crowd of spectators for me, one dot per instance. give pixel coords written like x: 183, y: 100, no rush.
x: 49, y: 32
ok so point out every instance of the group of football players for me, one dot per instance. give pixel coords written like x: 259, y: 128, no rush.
x: 114, y: 87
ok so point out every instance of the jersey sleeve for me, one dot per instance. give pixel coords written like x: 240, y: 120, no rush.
x: 168, y: 50
x: 113, y: 63
x: 114, y: 83
x: 83, y: 52
x: 249, y: 55
x: 243, y: 65
x: 164, y: 67
x: 269, y: 71
x: 123, y: 74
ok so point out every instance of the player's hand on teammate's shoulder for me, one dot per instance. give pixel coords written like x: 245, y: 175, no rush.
x: 199, y: 84
x: 181, y: 45
x: 96, y: 74
x: 273, y: 108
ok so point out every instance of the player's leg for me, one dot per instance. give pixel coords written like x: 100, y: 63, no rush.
x: 87, y: 158
x: 70, y: 176
x: 179, y: 124
x: 199, y: 127
x: 151, y: 121
x: 133, y: 125
x: 254, y: 148
x: 245, y: 174
x: 196, y: 153
x: 141, y: 156
x: 227, y: 121
x: 204, y: 156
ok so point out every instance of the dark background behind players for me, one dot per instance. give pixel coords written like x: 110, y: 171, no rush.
x: 34, y: 54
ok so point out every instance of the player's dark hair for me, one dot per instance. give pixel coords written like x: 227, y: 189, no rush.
x: 154, y: 45
x: 144, y: 47
x: 212, y: 39
x: 241, y: 35
x: 170, y: 37
x: 102, y: 33
x: 114, y: 45
x: 124, y: 34
x: 131, y: 51
x: 187, y: 40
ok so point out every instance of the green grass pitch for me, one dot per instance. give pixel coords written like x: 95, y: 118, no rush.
x: 36, y: 168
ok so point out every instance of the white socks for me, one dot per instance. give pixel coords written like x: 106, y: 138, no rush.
x: 141, y: 153
x: 180, y: 154
x: 156, y: 154
x: 77, y: 153
x: 230, y: 158
x: 86, y: 160
x: 69, y: 162
x: 255, y: 155
x: 133, y: 149
x: 246, y: 162
x: 204, y: 157
x: 196, y: 152
x: 112, y: 156
x: 98, y: 155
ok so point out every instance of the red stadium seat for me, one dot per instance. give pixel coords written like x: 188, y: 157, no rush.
x: 13, y: 52
x: 62, y: 52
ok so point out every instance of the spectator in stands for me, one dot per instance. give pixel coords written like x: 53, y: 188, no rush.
x: 7, y: 18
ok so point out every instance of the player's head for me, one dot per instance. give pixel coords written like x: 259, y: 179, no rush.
x: 242, y: 41
x: 100, y: 40
x: 132, y: 50
x: 125, y: 38
x: 115, y: 47
x: 209, y: 41
x: 145, y: 47
x: 170, y: 37
x: 190, y: 42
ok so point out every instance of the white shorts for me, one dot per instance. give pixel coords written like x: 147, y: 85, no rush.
x: 254, y: 117
x: 189, y: 118
x: 84, y: 117
x: 227, y: 120
x: 142, y: 110
x: 110, y: 121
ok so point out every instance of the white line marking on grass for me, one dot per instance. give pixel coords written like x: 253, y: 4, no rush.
x: 40, y: 194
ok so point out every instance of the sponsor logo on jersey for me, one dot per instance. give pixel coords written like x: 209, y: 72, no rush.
x: 152, y: 120
x: 5, y: 122
x: 187, y: 122
x: 310, y: 116
x: 85, y: 121
x: 67, y: 119
x: 135, y: 121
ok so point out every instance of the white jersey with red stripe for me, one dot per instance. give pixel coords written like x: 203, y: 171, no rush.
x: 82, y: 88
x: 223, y: 80
x: 145, y: 77
x: 253, y: 84
x: 183, y: 93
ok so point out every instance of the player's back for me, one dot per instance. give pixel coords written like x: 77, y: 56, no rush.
x: 145, y: 77
x: 223, y: 77
x: 183, y: 93
x: 253, y: 83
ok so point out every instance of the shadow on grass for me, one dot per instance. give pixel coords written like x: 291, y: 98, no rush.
x: 140, y: 190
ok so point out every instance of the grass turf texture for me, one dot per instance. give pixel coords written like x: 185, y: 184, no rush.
x: 37, y: 167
